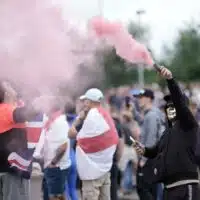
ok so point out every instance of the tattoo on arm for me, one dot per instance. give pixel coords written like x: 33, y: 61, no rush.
x: 59, y: 153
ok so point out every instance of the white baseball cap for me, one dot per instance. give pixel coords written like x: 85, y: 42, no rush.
x: 93, y: 94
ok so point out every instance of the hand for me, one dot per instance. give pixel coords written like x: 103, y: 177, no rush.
x: 139, y: 148
x: 73, y: 128
x: 142, y: 163
x: 82, y: 115
x: 166, y: 73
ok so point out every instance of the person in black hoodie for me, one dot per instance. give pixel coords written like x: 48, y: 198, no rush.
x: 172, y: 159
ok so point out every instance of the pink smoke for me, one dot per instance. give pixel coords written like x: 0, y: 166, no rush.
x: 38, y: 49
x: 126, y: 46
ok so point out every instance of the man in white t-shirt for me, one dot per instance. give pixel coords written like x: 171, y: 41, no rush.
x: 96, y: 145
x: 53, y: 147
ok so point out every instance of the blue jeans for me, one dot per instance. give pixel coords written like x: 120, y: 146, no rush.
x: 72, y: 178
x: 54, y: 181
x: 127, y: 180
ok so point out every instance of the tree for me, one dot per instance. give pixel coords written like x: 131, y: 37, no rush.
x: 117, y: 70
x: 184, y: 57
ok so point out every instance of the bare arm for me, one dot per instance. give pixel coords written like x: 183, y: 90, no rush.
x: 120, y: 148
x: 29, y: 111
x: 76, y: 126
x: 23, y: 114
x: 135, y: 130
x: 59, y: 153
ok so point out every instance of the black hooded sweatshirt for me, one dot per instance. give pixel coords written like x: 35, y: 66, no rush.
x: 177, y: 145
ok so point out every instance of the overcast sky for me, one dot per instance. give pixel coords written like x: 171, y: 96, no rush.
x: 164, y: 17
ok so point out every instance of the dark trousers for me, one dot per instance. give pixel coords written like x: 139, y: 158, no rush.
x: 183, y: 192
x: 145, y: 191
x: 114, y: 182
x: 45, y: 190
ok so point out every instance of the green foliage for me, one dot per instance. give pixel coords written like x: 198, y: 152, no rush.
x: 184, y: 58
x: 118, y: 71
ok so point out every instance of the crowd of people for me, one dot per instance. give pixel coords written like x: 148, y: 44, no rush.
x: 127, y: 139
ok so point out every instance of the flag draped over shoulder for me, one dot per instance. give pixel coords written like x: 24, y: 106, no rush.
x: 97, y: 141
x: 34, y: 129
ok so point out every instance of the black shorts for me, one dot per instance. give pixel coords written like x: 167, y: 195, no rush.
x: 55, y: 179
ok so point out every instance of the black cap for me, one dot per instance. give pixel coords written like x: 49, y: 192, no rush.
x: 146, y: 93
x: 168, y: 100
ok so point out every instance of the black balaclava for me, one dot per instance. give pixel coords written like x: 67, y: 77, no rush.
x: 170, y: 109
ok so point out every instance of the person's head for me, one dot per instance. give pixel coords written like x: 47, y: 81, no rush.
x: 145, y: 98
x: 70, y: 107
x: 7, y: 92
x: 92, y: 98
x: 170, y: 109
